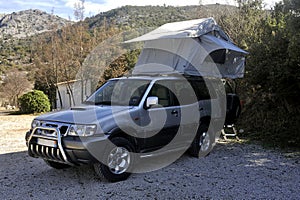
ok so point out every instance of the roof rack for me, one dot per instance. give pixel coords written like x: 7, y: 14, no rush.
x: 168, y: 74
x: 156, y: 74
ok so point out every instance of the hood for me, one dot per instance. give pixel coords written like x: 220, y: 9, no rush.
x: 82, y: 115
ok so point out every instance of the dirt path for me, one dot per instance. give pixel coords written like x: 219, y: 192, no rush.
x: 12, y: 132
x: 231, y: 171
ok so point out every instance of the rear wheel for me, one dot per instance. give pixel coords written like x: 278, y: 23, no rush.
x: 56, y: 165
x: 118, y: 161
x: 202, y: 144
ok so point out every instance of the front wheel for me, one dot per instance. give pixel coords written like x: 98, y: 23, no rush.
x: 118, y: 161
x: 202, y: 144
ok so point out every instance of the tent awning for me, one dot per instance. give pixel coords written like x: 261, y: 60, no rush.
x: 186, y: 46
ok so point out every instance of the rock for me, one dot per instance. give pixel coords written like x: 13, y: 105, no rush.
x: 29, y: 22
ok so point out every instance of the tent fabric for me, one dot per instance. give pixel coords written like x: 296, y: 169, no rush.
x: 189, y: 47
x: 183, y: 29
x: 221, y: 43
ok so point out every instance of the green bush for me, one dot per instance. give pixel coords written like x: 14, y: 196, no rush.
x: 34, y: 102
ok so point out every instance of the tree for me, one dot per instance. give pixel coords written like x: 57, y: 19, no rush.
x: 79, y: 10
x: 243, y: 24
x: 120, y: 66
x: 272, y: 82
x: 14, y: 85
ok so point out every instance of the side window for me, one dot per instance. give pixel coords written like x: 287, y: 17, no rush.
x: 184, y: 93
x: 165, y: 96
x: 137, y: 95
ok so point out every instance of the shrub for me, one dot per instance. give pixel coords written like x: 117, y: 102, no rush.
x: 34, y: 102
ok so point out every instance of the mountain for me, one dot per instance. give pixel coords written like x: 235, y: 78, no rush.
x: 17, y: 50
x: 29, y: 22
x: 153, y: 16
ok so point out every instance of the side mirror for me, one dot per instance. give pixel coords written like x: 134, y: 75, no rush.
x: 151, y: 101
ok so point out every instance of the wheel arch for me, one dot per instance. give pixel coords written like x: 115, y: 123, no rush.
x: 118, y: 132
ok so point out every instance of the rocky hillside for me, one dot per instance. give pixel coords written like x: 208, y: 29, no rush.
x: 29, y: 22
x: 17, y: 50
x: 153, y: 16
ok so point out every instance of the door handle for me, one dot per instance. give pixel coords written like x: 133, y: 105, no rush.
x: 174, y: 112
x: 200, y: 109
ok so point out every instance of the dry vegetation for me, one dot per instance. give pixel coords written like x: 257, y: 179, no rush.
x: 12, y: 132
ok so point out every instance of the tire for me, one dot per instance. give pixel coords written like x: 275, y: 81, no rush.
x: 119, y: 161
x: 56, y: 165
x: 202, y: 144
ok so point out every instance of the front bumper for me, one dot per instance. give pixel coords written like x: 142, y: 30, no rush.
x: 69, y: 150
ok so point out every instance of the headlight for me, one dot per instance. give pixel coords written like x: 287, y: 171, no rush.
x: 35, y: 123
x: 82, y: 130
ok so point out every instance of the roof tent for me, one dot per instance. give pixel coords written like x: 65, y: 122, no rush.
x: 196, y: 47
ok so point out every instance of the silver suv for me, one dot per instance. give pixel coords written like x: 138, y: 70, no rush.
x: 129, y: 120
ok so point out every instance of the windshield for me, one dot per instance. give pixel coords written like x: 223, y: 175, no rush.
x: 123, y: 92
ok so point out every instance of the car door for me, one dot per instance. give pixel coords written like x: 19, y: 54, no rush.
x: 161, y: 122
x: 190, y: 112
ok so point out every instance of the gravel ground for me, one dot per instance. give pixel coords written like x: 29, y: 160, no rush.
x: 231, y: 171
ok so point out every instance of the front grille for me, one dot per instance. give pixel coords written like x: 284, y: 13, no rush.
x: 49, y: 153
x: 63, y: 130
x: 42, y: 130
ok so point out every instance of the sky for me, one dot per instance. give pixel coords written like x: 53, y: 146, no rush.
x: 65, y: 8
